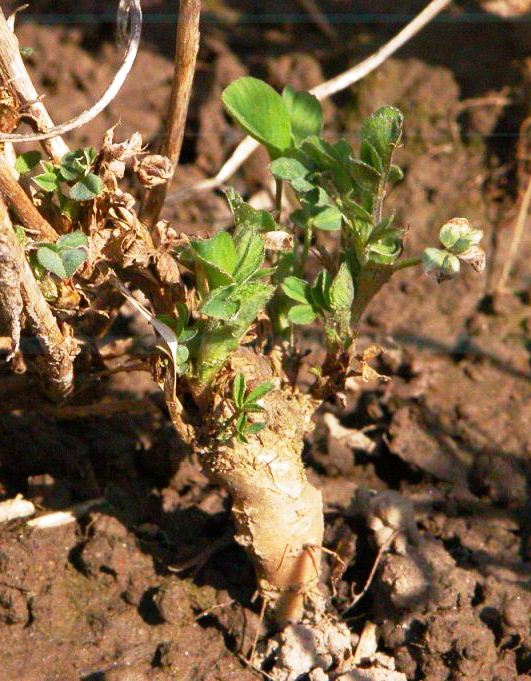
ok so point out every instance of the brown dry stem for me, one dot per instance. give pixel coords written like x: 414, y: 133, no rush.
x: 187, y: 46
x: 524, y: 195
x: 55, y: 365
x: 22, y: 205
x: 14, y: 75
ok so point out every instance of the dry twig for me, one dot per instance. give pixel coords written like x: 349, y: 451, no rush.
x: 187, y: 45
x: 55, y: 365
x: 322, y: 91
x: 60, y: 518
x: 12, y: 70
x: 356, y: 598
x: 319, y: 19
x: 14, y: 75
x: 22, y: 206
x: 525, y: 205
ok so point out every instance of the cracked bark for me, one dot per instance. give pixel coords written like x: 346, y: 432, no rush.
x: 21, y: 293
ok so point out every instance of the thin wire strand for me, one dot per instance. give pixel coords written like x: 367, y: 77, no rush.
x: 129, y: 14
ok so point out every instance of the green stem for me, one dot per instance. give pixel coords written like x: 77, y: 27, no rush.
x: 278, y: 197
x: 407, y: 262
x: 305, y: 250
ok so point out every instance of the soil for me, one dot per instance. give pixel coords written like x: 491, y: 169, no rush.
x: 104, y: 598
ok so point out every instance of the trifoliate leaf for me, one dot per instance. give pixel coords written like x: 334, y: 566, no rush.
x: 48, y: 182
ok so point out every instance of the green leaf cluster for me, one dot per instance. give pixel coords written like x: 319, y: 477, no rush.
x: 461, y: 243
x: 63, y: 257
x: 329, y: 297
x: 73, y: 171
x: 229, y: 279
x: 337, y: 191
x: 246, y: 402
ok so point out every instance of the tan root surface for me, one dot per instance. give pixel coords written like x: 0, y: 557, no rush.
x: 278, y: 514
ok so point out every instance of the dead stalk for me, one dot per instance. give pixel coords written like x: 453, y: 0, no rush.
x: 322, y: 91
x: 11, y: 305
x: 525, y: 205
x: 22, y: 206
x: 13, y: 73
x: 519, y: 226
x: 55, y: 364
x: 187, y: 46
x: 128, y: 10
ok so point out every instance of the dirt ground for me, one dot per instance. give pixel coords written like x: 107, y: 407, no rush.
x: 117, y: 596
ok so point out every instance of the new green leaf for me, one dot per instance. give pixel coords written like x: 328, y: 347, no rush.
x: 342, y: 289
x: 238, y: 390
x: 87, y: 188
x: 219, y: 256
x: 296, y: 289
x: 381, y: 133
x: 302, y: 314
x: 259, y: 392
x: 260, y: 111
x: 51, y: 260
x: 73, y: 259
x: 25, y: 162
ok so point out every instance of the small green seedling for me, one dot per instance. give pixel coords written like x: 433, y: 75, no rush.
x: 247, y: 402
x: 64, y: 257
x: 73, y: 172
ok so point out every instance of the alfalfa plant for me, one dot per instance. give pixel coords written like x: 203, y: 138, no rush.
x: 227, y: 307
x: 245, y: 414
